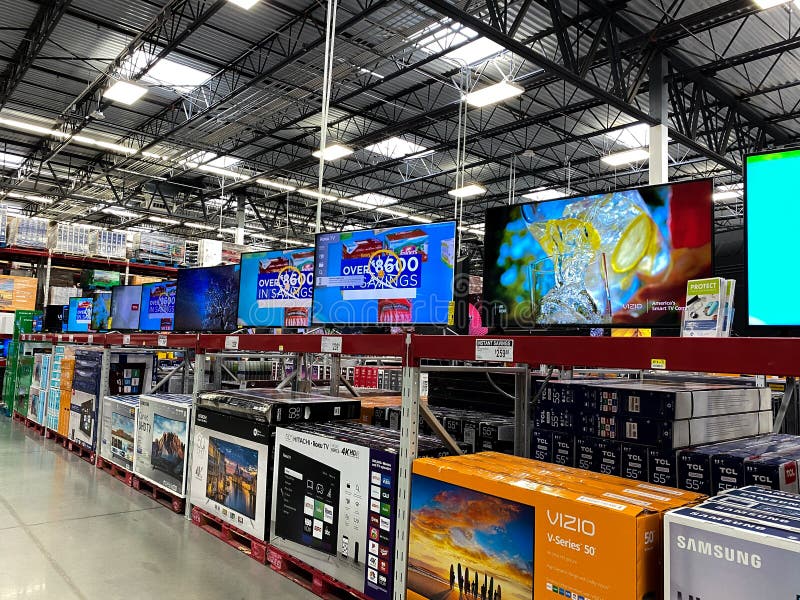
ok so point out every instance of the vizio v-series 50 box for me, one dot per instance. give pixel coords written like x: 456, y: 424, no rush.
x: 162, y: 437
x: 118, y: 430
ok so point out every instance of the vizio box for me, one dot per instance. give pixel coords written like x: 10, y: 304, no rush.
x: 512, y: 538
x: 162, y: 437
x: 118, y: 430
x: 713, y: 555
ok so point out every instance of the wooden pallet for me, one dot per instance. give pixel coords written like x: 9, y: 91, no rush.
x: 36, y: 427
x: 314, y: 580
x: 115, y: 471
x: 80, y: 451
x: 18, y: 417
x: 172, y: 501
x: 52, y: 434
x: 234, y: 537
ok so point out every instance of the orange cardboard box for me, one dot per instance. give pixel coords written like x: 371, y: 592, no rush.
x: 370, y: 403
x: 475, y: 535
x: 67, y: 374
x: 64, y: 412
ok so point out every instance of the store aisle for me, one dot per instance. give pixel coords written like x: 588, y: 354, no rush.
x: 70, y: 532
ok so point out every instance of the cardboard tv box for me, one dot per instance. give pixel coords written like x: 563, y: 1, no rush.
x: 118, y: 430
x: 525, y: 539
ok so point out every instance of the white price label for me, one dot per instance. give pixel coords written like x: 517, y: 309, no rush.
x: 162, y: 341
x: 90, y: 339
x: 126, y: 339
x: 231, y: 342
x: 498, y: 350
x: 71, y: 338
x: 60, y: 338
x: 331, y: 344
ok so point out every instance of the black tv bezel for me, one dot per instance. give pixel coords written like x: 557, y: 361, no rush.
x: 46, y: 329
x: 238, y: 302
x: 69, y: 312
x: 177, y: 297
x: 759, y: 330
x: 95, y: 294
x: 141, y: 303
x: 315, y: 323
x: 580, y: 328
x: 139, y: 322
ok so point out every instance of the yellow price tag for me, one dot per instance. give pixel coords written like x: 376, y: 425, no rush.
x: 658, y: 364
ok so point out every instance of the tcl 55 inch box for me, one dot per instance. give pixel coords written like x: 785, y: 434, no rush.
x: 162, y: 436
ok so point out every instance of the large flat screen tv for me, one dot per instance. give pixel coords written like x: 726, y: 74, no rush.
x: 126, y: 304
x: 772, y: 252
x: 79, y: 315
x: 618, y: 258
x: 101, y: 311
x: 275, y: 288
x: 157, y: 309
x: 207, y: 299
x: 53, y: 321
x: 397, y: 275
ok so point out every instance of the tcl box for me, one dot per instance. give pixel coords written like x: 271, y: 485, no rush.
x: 162, y: 436
x: 713, y: 555
x: 118, y: 430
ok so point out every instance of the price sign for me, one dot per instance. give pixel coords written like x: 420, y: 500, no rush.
x: 162, y: 341
x: 659, y: 364
x: 126, y: 340
x: 331, y: 344
x: 89, y: 339
x: 231, y: 342
x: 71, y: 338
x: 497, y: 350
x: 60, y: 338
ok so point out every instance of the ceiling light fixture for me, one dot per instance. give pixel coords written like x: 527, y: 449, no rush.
x: 245, y: 4
x: 726, y: 195
x: 333, y: 152
x: 194, y: 225
x: 396, y: 147
x: 276, y: 184
x: 468, y: 191
x: 493, y: 94
x: 119, y: 212
x: 125, y: 92
x: 542, y: 194
x: 375, y: 199
x: 32, y: 128
x: 770, y: 3
x: 163, y: 220
x: 10, y: 160
x: 626, y: 157
x: 315, y: 194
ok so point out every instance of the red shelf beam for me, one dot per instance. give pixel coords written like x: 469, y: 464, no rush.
x: 366, y: 345
x: 69, y: 260
x: 767, y: 356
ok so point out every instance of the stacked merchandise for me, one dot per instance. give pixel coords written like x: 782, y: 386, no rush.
x: 335, y: 500
x: 108, y: 244
x: 158, y: 247
x: 770, y: 461
x: 37, y: 403
x: 741, y: 545
x: 634, y: 428
x: 68, y: 238
x: 502, y: 527
x: 61, y: 295
x: 118, y: 430
x: 378, y: 378
x: 27, y: 232
x: 55, y: 394
x: 64, y: 390
x: 233, y: 438
x: 162, y: 436
x: 370, y: 405
x: 3, y: 224
x: 16, y: 381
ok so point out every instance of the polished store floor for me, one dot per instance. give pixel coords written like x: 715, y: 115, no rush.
x: 69, y: 531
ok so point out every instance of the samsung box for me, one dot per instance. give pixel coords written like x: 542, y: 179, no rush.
x: 118, y: 430
x: 162, y: 436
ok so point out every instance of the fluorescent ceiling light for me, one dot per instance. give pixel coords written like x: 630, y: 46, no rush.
x: 634, y: 136
x: 726, y: 195
x: 120, y: 212
x: 626, y: 157
x: 445, y: 34
x: 10, y: 160
x: 245, y: 4
x: 30, y: 198
x: 276, y: 184
x: 32, y: 128
x: 139, y: 174
x: 396, y: 147
x: 373, y: 199
x: 163, y: 220
x: 418, y: 219
x: 468, y: 191
x: 493, y: 94
x: 165, y: 72
x: 368, y: 72
x: 194, y: 225
x: 153, y: 155
x: 542, y: 194
x: 351, y: 203
x: 770, y: 3
x: 316, y: 194
x: 125, y: 92
x: 333, y: 152
x: 219, y: 171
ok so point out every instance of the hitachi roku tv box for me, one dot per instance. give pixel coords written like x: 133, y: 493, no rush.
x: 279, y: 407
x: 162, y: 438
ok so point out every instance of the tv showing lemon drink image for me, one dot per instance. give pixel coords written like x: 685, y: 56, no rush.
x: 612, y: 258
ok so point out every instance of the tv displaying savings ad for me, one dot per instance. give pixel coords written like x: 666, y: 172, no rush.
x: 126, y: 303
x: 79, y: 316
x: 275, y: 288
x: 207, y: 299
x: 618, y: 258
x: 157, y: 308
x: 393, y: 276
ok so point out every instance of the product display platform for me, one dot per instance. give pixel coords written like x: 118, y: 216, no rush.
x: 61, y: 518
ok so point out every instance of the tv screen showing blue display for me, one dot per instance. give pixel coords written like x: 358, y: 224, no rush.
x: 771, y: 238
x: 157, y: 310
x: 79, y: 315
x: 126, y: 303
x: 207, y: 299
x: 275, y: 288
x: 101, y: 311
x: 392, y: 276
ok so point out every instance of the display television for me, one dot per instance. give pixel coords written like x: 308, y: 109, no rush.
x: 392, y: 276
x: 101, y: 311
x: 275, y: 288
x: 771, y: 249
x: 79, y: 315
x: 207, y: 299
x: 126, y: 303
x: 157, y: 307
x: 618, y: 258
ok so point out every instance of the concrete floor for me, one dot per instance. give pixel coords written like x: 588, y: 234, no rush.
x: 69, y: 532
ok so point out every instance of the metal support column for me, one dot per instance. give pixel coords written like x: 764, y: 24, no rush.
x: 522, y: 413
x: 199, y: 383
x: 47, y: 278
x: 105, y: 375
x: 187, y: 373
x: 336, y: 373
x: 409, y: 438
x: 240, y: 218
x: 788, y: 396
x: 659, y: 106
